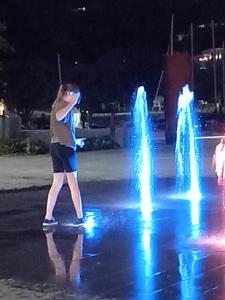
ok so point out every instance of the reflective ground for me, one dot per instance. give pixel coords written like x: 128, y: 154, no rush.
x: 180, y: 254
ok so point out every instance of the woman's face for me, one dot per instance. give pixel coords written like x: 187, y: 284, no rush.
x: 71, y: 96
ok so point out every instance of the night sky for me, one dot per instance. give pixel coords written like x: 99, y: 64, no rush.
x: 45, y: 27
x: 117, y: 43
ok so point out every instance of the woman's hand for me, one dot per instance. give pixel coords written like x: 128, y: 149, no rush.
x: 80, y: 142
x: 72, y: 98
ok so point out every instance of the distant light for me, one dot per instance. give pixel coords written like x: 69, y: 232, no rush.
x: 80, y: 9
x: 181, y: 36
x: 76, y: 62
x: 2, y: 107
x: 201, y: 26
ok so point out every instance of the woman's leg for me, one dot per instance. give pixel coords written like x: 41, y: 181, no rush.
x: 74, y: 271
x: 58, y: 264
x: 75, y: 192
x: 53, y: 194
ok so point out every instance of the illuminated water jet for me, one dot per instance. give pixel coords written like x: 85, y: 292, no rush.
x: 142, y: 153
x: 187, y: 156
x: 187, y: 153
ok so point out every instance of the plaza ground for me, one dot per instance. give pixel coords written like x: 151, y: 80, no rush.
x: 117, y: 255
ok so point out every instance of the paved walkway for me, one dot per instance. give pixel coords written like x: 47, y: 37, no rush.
x: 27, y: 171
x: 17, y: 172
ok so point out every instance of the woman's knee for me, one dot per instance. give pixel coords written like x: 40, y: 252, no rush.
x: 72, y: 178
x: 58, y: 180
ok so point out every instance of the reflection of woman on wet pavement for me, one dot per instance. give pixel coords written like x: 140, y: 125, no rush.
x: 66, y: 263
x: 62, y: 149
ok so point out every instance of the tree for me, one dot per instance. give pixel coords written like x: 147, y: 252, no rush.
x: 31, y: 84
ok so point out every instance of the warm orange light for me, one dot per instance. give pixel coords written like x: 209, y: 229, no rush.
x: 2, y: 108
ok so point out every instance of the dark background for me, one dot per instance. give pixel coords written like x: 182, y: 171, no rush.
x: 109, y: 47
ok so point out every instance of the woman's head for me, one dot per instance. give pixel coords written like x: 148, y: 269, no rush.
x: 70, y: 87
x: 67, y: 90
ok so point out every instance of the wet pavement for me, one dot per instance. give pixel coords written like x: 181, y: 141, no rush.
x: 179, y: 254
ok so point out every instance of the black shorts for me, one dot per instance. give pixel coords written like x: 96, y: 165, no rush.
x: 63, y: 158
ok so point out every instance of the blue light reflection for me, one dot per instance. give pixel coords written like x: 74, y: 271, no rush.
x: 189, y: 268
x: 145, y: 264
x: 91, y: 225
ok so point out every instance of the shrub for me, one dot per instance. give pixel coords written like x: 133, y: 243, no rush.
x: 23, y: 147
x: 99, y: 143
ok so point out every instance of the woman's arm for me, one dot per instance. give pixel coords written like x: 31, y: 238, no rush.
x: 61, y: 113
x: 71, y: 100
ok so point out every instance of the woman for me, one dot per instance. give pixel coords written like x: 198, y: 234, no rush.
x: 62, y: 149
